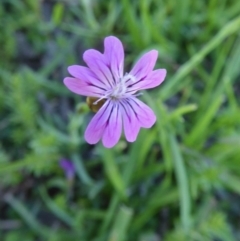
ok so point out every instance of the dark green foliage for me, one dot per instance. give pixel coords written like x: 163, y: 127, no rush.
x: 179, y: 181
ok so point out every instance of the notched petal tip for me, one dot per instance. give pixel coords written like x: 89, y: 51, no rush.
x: 144, y: 65
x: 69, y: 68
x: 91, y: 55
x: 164, y: 73
x: 153, y: 53
x: 152, y: 121
x: 72, y: 84
x: 112, y: 38
x: 152, y: 56
x: 73, y: 69
x: 112, y: 41
x: 108, y: 144
x: 66, y: 81
x: 160, y: 77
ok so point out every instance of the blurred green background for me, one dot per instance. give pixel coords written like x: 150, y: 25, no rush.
x: 180, y: 181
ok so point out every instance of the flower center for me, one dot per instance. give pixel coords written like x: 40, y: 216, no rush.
x: 121, y: 87
x: 119, y: 90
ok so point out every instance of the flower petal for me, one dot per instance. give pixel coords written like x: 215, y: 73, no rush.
x: 131, y: 123
x: 96, y: 127
x: 143, y: 113
x: 153, y: 79
x: 113, y: 130
x: 98, y: 64
x: 144, y: 65
x: 82, y: 88
x: 113, y: 50
x: 85, y: 75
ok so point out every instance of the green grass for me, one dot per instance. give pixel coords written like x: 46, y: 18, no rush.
x: 179, y: 181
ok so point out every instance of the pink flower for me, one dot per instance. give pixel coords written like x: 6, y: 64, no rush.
x: 104, y: 79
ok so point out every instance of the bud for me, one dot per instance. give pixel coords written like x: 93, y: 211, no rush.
x: 91, y: 101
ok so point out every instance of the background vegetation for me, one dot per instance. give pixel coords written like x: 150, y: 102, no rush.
x: 179, y: 181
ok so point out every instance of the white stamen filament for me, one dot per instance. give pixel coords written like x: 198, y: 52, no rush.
x: 120, y: 89
x: 138, y: 94
x: 104, y: 97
